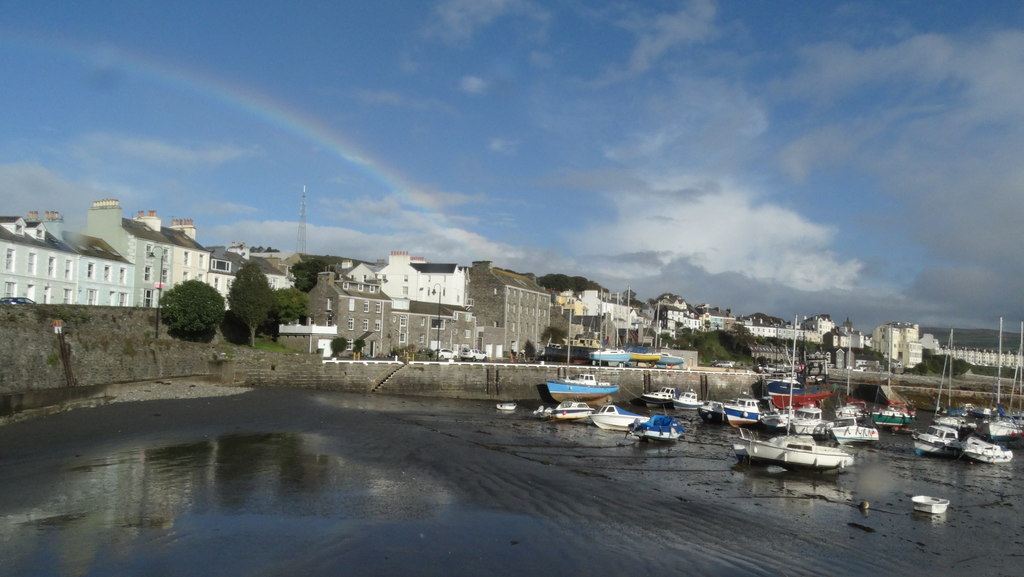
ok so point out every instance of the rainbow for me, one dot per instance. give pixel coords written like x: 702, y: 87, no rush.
x: 259, y: 105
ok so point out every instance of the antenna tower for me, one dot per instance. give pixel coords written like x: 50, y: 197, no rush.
x: 300, y: 244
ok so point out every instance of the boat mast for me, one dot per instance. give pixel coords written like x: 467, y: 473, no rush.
x: 999, y: 364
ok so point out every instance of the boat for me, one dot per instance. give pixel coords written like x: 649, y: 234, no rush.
x: 577, y: 351
x: 507, y: 407
x: 980, y: 451
x: 806, y: 420
x: 782, y: 392
x: 610, y: 357
x: 614, y: 418
x: 666, y: 360
x: 933, y: 505
x: 657, y: 428
x: 776, y: 421
x: 895, y: 415
x: 687, y: 401
x: 581, y: 387
x: 643, y: 357
x: 847, y: 430
x: 938, y: 441
x: 1000, y: 427
x: 742, y: 411
x: 712, y: 412
x: 660, y: 398
x: 565, y: 411
x: 791, y: 452
x: 852, y: 408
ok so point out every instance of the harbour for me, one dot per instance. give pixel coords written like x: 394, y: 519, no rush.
x: 281, y: 481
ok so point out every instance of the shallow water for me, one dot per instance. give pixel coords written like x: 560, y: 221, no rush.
x: 307, y: 483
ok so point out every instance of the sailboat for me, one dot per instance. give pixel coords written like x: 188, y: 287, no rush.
x: 947, y: 416
x: 790, y: 451
x: 895, y: 415
x: 1000, y: 427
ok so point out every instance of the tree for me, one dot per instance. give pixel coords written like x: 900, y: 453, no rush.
x: 553, y: 335
x: 251, y: 298
x: 192, y: 310
x: 357, y: 347
x: 306, y: 272
x: 290, y: 305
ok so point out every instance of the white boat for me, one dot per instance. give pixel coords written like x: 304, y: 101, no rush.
x: 980, y: 451
x: 613, y: 418
x: 687, y: 401
x: 583, y: 386
x: 610, y: 357
x: 938, y: 441
x: 933, y: 505
x: 776, y: 421
x: 742, y: 411
x: 565, y: 411
x: 657, y: 428
x: 853, y: 408
x: 668, y: 360
x: 847, y: 430
x: 507, y: 407
x: 791, y: 452
x: 660, y: 398
x: 806, y: 420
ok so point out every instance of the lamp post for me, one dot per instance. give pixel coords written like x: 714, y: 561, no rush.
x: 437, y: 290
x: 159, y: 285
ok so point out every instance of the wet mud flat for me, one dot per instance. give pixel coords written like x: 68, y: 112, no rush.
x: 290, y: 482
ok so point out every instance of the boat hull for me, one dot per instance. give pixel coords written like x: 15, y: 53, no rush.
x: 570, y: 392
x: 612, y: 418
x: 794, y: 453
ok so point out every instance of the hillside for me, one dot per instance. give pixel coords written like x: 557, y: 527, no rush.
x: 975, y: 338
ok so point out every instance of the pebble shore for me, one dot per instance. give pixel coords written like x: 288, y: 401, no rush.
x: 161, y: 390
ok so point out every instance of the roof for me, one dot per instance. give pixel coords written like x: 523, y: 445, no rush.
x: 434, y: 268
x: 92, y: 246
x: 47, y: 242
x: 517, y: 280
x: 165, y: 235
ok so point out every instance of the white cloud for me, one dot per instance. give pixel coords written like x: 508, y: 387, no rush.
x: 457, y: 20
x: 503, y: 146
x: 473, y: 85
x: 24, y: 185
x: 105, y: 146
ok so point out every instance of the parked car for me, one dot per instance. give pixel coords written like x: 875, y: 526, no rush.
x: 472, y: 355
x: 445, y: 354
x: 16, y: 301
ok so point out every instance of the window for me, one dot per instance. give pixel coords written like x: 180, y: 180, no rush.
x: 184, y: 276
x: 10, y: 289
x: 51, y: 267
x: 403, y: 321
x: 106, y: 273
x: 376, y: 325
x: 147, y: 273
x: 163, y: 276
x: 221, y: 265
x: 185, y: 258
x: 122, y: 276
x: 92, y: 296
x: 351, y: 324
x: 149, y: 250
x: 90, y: 271
x: 329, y: 302
x: 147, y: 298
x: 122, y: 300
x: 202, y: 260
x: 352, y: 305
x: 380, y: 308
x: 401, y: 338
x: 68, y: 275
x: 68, y: 297
x: 216, y: 282
x: 366, y: 324
x: 32, y: 263
x: 47, y: 295
x: 9, y: 263
x: 366, y: 306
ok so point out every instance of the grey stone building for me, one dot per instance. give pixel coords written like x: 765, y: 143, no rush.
x: 511, y: 309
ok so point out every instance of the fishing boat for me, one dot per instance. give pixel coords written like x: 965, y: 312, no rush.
x: 582, y: 387
x: 895, y: 415
x: 852, y: 408
x: 657, y: 428
x: 661, y: 398
x: 614, y: 418
x: 938, y: 441
x: 806, y: 420
x: 742, y: 411
x: 790, y: 390
x: 712, y: 412
x: 565, y: 411
x: 687, y: 401
x: 775, y: 420
x: 981, y: 451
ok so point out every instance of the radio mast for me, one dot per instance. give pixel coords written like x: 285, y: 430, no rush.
x: 300, y: 244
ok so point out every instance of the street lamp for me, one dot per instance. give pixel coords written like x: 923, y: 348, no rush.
x: 159, y: 285
x: 437, y: 290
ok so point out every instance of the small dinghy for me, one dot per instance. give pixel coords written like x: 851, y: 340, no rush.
x: 506, y: 407
x: 933, y: 505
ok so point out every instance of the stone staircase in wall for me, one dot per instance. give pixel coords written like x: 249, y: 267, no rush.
x: 385, y: 377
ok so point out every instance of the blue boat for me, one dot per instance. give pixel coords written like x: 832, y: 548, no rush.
x: 610, y: 357
x: 657, y: 428
x: 582, y: 387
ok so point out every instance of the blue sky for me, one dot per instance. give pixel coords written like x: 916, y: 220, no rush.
x: 794, y: 158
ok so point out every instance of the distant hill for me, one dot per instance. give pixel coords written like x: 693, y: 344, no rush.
x: 975, y: 338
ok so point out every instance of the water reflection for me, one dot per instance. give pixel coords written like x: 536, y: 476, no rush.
x: 154, y: 496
